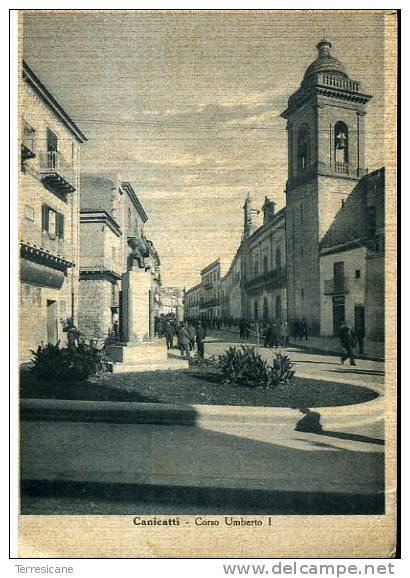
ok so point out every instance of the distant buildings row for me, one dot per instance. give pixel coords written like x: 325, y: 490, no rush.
x: 321, y: 257
x: 74, y: 247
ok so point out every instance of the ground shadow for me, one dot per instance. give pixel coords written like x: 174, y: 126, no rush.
x: 310, y: 423
x: 359, y: 371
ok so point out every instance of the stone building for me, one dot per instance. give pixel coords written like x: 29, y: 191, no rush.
x: 352, y: 262
x: 172, y: 302
x: 48, y: 215
x: 112, y: 222
x: 326, y: 159
x: 263, y: 263
x: 232, y: 291
x: 192, y: 302
x: 211, y: 298
x: 321, y: 257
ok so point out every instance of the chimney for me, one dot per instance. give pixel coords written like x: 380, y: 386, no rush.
x: 268, y: 210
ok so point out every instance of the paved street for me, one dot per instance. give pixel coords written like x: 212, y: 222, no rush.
x: 74, y: 467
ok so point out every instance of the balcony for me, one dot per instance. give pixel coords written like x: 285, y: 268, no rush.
x: 99, y: 264
x: 342, y: 168
x: 336, y: 286
x: 56, y: 173
x: 273, y: 279
x: 338, y: 82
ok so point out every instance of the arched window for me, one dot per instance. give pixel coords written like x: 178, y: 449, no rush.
x: 278, y: 258
x: 265, y: 310
x: 255, y: 311
x: 278, y: 307
x: 303, y: 149
x: 341, y: 143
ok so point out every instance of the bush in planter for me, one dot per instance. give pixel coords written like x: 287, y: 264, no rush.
x: 245, y: 366
x: 69, y: 363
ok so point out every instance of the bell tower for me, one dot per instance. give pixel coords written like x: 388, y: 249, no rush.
x: 326, y: 157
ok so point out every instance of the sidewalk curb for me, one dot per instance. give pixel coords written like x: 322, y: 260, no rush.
x: 194, y: 415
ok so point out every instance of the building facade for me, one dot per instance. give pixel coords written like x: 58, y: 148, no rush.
x: 192, y: 302
x: 172, y: 303
x: 231, y: 294
x: 211, y: 298
x: 112, y: 222
x: 352, y: 263
x: 263, y: 259
x: 326, y: 159
x: 49, y: 187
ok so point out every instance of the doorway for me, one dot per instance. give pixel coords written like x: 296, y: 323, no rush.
x: 338, y: 313
x: 52, y: 326
x: 359, y: 316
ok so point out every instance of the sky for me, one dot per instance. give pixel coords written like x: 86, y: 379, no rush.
x: 186, y: 106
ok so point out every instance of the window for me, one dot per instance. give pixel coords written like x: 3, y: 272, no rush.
x: 278, y: 258
x: 29, y: 213
x: 52, y: 141
x: 303, y: 149
x: 52, y: 222
x: 29, y: 136
x: 357, y: 274
x: 265, y: 263
x: 341, y: 143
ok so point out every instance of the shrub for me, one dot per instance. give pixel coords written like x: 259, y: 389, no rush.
x: 69, y: 363
x: 245, y: 366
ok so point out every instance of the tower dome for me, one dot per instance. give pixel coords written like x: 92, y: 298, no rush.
x: 325, y: 63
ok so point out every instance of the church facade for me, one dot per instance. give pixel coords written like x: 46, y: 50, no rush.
x: 321, y: 258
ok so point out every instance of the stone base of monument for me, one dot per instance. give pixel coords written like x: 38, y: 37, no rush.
x: 143, y: 356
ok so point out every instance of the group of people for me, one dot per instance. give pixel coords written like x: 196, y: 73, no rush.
x: 189, y: 336
x: 276, y: 334
x: 300, y: 329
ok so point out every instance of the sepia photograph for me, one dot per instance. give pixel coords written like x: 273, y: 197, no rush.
x: 206, y: 282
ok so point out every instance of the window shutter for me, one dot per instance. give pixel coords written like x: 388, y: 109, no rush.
x: 60, y: 225
x: 44, y: 217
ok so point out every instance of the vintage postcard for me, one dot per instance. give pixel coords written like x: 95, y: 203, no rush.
x: 207, y: 283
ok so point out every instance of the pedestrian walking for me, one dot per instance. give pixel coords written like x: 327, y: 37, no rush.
x: 200, y: 337
x: 183, y: 340
x: 348, y: 342
x: 284, y: 333
x: 304, y: 329
x: 268, y: 335
x: 275, y: 334
x: 169, y: 335
x: 192, y: 336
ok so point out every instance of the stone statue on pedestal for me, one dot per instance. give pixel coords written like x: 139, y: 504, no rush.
x: 139, y: 254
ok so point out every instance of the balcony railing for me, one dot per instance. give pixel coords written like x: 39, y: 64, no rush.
x: 338, y: 82
x: 101, y: 263
x: 274, y: 279
x: 57, y: 174
x: 336, y: 286
x: 342, y: 168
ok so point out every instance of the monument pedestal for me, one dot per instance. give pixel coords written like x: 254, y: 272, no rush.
x: 140, y: 351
